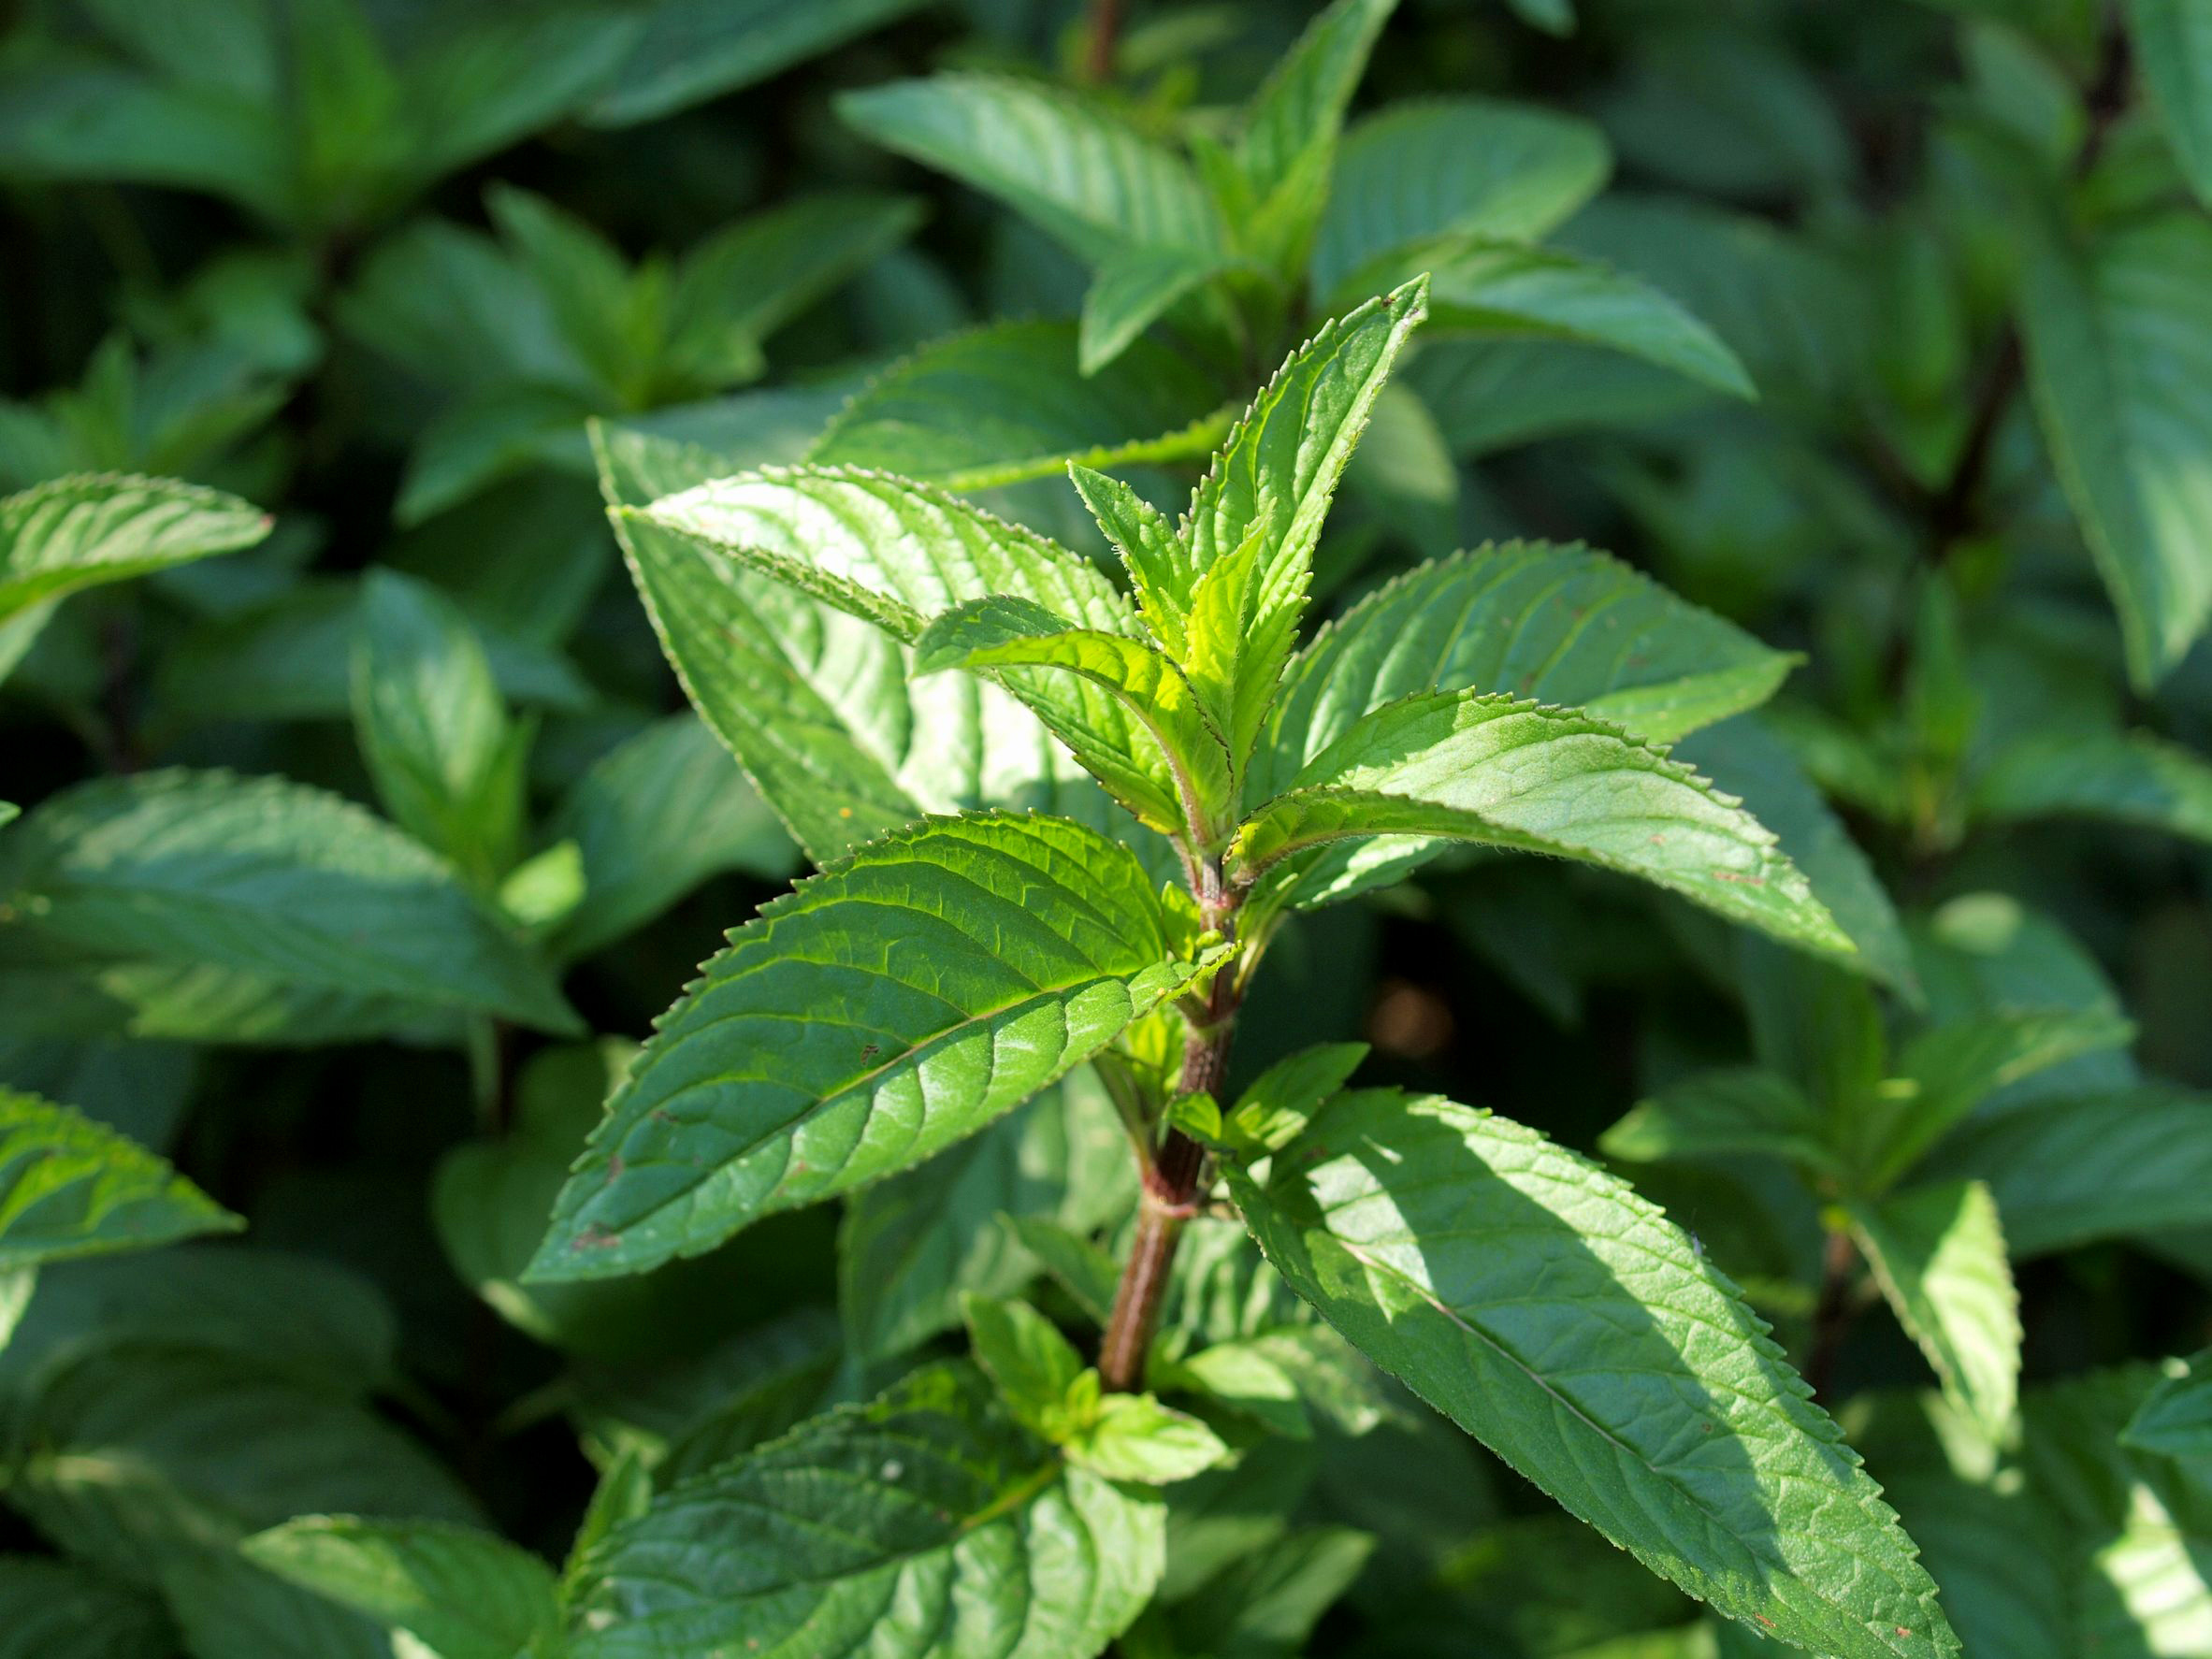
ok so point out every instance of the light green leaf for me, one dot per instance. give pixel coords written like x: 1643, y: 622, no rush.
x: 1070, y: 165
x: 1938, y: 1253
x: 1274, y: 479
x: 889, y: 550
x: 1301, y: 104
x: 2075, y: 1168
x: 2121, y: 777
x: 655, y: 816
x: 54, y: 1609
x: 1431, y: 167
x: 2176, y: 1420
x: 1280, y: 1100
x: 1948, y: 1071
x: 1135, y: 1439
x: 898, y: 1002
x: 71, y: 1186
x: 80, y: 532
x: 1020, y: 400
x: 1513, y: 774
x: 1133, y: 290
x: 926, y: 1523
x: 465, y: 1594
x: 1162, y: 758
x: 1722, y: 1115
x: 1507, y: 289
x: 2172, y: 40
x: 1150, y: 549
x: 815, y: 703
x: 447, y: 762
x: 1561, y: 625
x: 1600, y: 1355
x: 1032, y: 1366
x: 266, y: 878
x: 911, y: 1245
x: 2119, y: 359
x: 688, y: 51
x: 898, y: 554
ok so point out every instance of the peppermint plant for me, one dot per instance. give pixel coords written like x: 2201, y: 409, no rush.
x: 987, y: 919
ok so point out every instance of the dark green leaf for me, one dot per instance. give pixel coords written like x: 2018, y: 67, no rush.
x: 464, y: 1594
x: 928, y: 1518
x: 266, y: 878
x: 1938, y: 1253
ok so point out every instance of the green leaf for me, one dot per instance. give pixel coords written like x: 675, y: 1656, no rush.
x: 2119, y: 359
x: 1135, y: 1439
x: 815, y: 703
x: 80, y: 532
x: 927, y: 1522
x: 2176, y: 1420
x: 1020, y: 400
x: 1600, y: 1355
x: 1132, y: 291
x: 2172, y: 41
x: 447, y: 762
x: 889, y: 550
x: 900, y: 555
x: 1507, y: 290
x: 1938, y: 1253
x: 266, y: 878
x: 1273, y: 480
x: 2119, y: 777
x: 1301, y: 105
x: 2075, y: 1168
x: 1431, y: 167
x: 655, y: 816
x: 1278, y: 1103
x: 54, y: 1609
x: 1950, y: 1070
x: 688, y: 51
x: 1723, y: 1114
x: 465, y: 1594
x: 1268, y: 1601
x: 750, y: 280
x: 1513, y: 774
x: 898, y: 1002
x: 1742, y: 757
x: 911, y: 1245
x: 1171, y: 771
x: 1070, y: 165
x: 71, y: 1186
x: 1561, y: 625
x: 1032, y: 1366
x: 1150, y: 549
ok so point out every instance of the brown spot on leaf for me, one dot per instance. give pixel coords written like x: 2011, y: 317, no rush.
x: 596, y: 1237
x: 1748, y: 881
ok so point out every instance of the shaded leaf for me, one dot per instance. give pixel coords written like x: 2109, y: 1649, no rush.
x: 1600, y: 1355
x: 465, y: 1594
x: 266, y: 878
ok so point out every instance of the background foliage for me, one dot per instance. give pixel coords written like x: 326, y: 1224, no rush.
x: 364, y: 831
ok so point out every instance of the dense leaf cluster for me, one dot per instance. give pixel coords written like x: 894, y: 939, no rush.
x: 861, y: 780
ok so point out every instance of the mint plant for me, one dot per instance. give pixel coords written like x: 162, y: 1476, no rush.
x: 924, y: 984
x: 1029, y: 1098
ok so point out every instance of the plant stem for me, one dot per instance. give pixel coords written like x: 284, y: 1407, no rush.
x: 1173, y: 1183
x: 1831, y: 1316
x: 1106, y: 34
